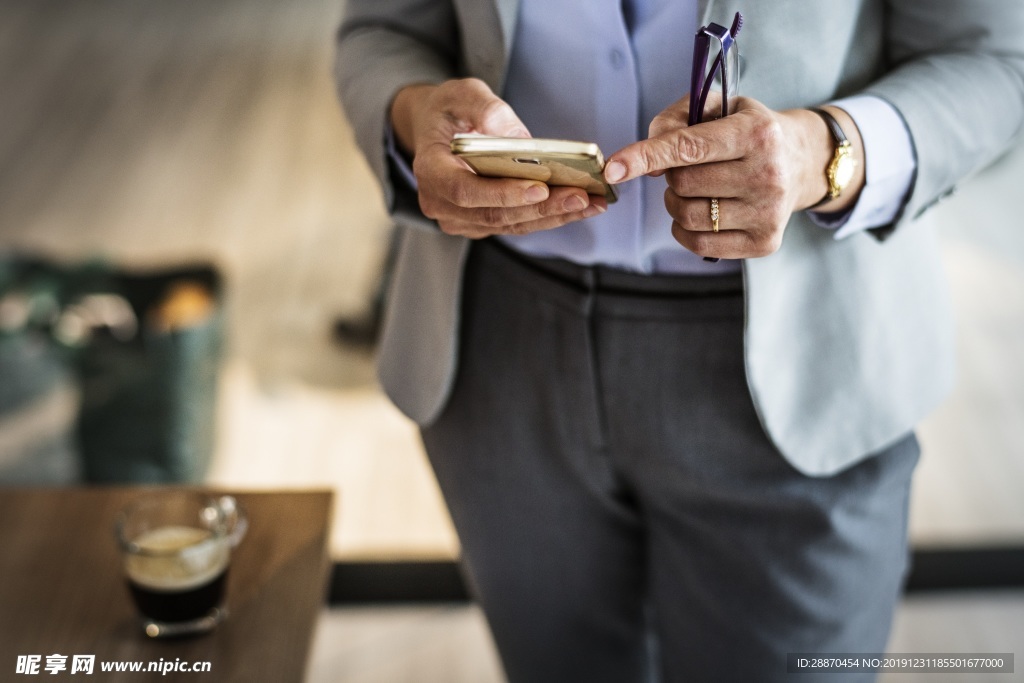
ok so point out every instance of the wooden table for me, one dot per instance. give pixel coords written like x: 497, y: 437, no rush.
x: 62, y: 590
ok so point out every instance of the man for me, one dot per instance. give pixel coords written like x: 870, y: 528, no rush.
x: 633, y: 441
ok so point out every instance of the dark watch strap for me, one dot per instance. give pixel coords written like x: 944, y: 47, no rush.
x: 833, y: 126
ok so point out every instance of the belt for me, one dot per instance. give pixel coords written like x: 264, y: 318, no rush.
x: 597, y: 278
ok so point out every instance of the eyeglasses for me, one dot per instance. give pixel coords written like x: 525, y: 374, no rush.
x: 724, y: 67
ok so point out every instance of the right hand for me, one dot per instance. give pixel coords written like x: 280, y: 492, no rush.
x: 425, y: 118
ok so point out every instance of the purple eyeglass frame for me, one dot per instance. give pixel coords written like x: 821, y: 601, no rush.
x: 700, y: 84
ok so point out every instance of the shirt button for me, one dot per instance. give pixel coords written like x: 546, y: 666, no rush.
x: 617, y: 58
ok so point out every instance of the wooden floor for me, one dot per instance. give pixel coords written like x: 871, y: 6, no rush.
x: 451, y: 644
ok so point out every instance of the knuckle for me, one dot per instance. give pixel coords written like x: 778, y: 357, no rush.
x: 691, y: 149
x: 493, y: 217
x: 659, y: 125
x: 780, y: 220
x: 471, y: 83
x: 546, y: 208
x: 429, y: 206
x: 696, y: 214
x: 767, y: 133
x: 460, y: 87
x: 423, y: 168
x: 500, y: 195
x: 774, y: 180
x: 417, y: 167
x: 449, y: 227
x: 766, y: 244
x: 493, y: 112
x: 701, y: 243
x: 651, y: 156
x: 457, y: 193
x: 676, y: 180
x: 683, y: 238
x: 517, y: 229
x: 674, y: 206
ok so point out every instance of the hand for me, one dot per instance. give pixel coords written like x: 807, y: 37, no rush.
x: 426, y: 117
x: 762, y: 165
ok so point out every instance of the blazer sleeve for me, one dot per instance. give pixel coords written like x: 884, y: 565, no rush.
x: 957, y: 77
x: 381, y: 48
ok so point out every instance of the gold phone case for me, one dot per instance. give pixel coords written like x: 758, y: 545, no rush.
x: 555, y: 162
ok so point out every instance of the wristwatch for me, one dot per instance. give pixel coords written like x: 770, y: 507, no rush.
x: 840, y: 170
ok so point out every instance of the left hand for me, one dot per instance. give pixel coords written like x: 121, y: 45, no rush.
x: 762, y: 165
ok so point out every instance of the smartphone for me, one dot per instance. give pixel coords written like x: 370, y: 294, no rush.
x: 555, y: 162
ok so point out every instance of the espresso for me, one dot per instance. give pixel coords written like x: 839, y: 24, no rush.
x: 180, y: 573
x: 171, y: 606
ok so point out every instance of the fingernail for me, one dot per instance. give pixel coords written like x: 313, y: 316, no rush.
x: 518, y: 133
x: 574, y: 203
x: 536, y: 193
x: 615, y: 171
x: 594, y: 210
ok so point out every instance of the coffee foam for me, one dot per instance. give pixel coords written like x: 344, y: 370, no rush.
x: 182, y: 558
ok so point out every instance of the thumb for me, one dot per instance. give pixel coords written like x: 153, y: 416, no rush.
x: 488, y: 114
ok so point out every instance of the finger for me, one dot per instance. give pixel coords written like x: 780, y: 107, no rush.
x: 763, y: 220
x: 730, y: 244
x: 460, y: 228
x: 550, y: 222
x: 465, y: 228
x: 720, y: 179
x: 560, y: 200
x: 712, y: 142
x: 709, y: 142
x: 727, y: 244
x: 694, y: 213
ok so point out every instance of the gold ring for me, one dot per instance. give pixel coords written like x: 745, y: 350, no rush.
x: 714, y: 215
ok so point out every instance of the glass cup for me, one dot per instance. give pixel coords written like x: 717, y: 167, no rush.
x: 176, y: 548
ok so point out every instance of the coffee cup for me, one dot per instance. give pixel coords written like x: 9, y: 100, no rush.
x: 176, y: 551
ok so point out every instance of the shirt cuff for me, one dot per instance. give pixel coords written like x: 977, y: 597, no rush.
x: 398, y: 159
x: 889, y: 167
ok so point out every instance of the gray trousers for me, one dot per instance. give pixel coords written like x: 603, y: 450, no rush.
x: 612, y: 488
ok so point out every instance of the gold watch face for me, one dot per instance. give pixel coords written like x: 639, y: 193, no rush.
x: 841, y: 170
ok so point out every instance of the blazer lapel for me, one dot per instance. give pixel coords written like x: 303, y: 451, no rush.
x: 704, y: 9
x: 508, y: 11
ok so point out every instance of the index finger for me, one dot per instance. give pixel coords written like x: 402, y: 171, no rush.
x: 704, y: 143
